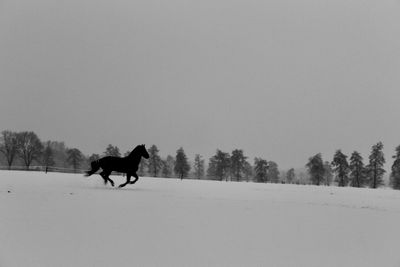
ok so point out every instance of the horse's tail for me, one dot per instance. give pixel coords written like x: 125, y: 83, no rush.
x: 95, y: 166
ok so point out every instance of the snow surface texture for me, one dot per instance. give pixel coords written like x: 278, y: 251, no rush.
x: 67, y: 220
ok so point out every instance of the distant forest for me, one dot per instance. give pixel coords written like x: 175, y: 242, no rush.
x: 25, y: 150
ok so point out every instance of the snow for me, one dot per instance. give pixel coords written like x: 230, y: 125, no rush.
x: 59, y: 219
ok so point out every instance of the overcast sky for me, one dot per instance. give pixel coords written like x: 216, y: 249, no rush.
x: 281, y: 79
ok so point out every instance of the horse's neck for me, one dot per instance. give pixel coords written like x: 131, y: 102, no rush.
x: 134, y: 158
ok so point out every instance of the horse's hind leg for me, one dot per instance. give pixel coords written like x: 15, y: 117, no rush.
x: 102, y: 174
x: 106, y: 178
x: 128, y: 180
x: 136, y: 178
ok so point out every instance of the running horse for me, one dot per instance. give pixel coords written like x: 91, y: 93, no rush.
x: 128, y: 165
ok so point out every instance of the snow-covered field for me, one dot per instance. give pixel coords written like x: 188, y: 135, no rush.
x: 67, y: 220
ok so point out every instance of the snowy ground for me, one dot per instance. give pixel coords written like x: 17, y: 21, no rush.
x: 67, y: 220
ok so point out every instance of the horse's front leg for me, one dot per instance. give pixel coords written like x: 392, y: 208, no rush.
x: 105, y: 175
x: 128, y: 180
x: 136, y: 178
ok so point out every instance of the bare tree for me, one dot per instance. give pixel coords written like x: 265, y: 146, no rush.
x: 29, y: 147
x: 9, y: 146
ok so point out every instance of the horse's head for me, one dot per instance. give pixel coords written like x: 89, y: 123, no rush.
x: 143, y: 152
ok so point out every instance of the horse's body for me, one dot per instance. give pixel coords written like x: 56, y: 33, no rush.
x: 128, y: 165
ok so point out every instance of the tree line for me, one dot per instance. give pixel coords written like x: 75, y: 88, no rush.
x: 26, y: 148
x: 354, y: 172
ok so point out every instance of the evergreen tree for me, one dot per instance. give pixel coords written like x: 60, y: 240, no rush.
x: 155, y: 162
x: 168, y: 166
x: 9, y: 146
x: 316, y: 169
x: 48, y: 156
x: 375, y: 169
x: 219, y: 165
x: 29, y: 147
x: 328, y: 174
x: 260, y: 170
x: 198, y: 166
x: 112, y: 151
x: 395, y: 174
x: 93, y: 157
x: 182, y: 167
x: 341, y: 168
x: 273, y: 172
x: 290, y: 176
x: 357, y: 170
x: 75, y: 158
x: 237, y: 164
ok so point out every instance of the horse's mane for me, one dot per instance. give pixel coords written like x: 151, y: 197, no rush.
x: 134, y: 151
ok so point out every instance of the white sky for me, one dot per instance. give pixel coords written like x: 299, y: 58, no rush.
x: 280, y: 79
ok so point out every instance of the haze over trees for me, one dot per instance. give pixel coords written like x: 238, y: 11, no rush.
x: 75, y: 158
x: 59, y: 154
x: 198, y: 166
x: 316, y: 169
x: 168, y: 166
x: 48, y: 156
x: 143, y: 166
x: 273, y: 172
x: 328, y: 173
x: 290, y: 176
x: 154, y: 162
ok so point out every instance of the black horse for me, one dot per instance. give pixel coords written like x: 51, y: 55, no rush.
x: 128, y: 165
